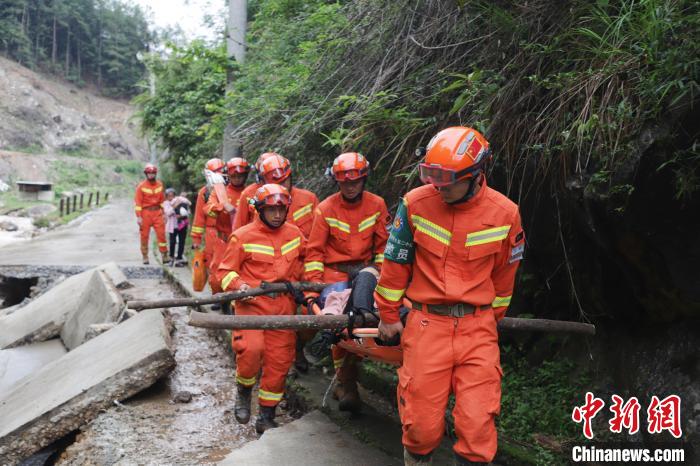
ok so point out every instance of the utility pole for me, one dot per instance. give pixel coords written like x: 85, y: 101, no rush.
x: 235, y: 46
x: 152, y: 142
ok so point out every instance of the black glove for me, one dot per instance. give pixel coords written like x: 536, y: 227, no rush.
x: 298, y: 295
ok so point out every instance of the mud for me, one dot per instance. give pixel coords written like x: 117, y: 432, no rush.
x: 160, y: 426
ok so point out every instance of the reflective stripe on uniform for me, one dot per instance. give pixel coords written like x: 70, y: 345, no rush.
x: 162, y: 244
x: 302, y: 211
x: 313, y: 266
x: 228, y: 279
x: 212, y: 213
x: 147, y: 191
x: 291, y: 246
x: 501, y: 301
x: 388, y: 293
x: 368, y: 222
x: 379, y: 258
x: 157, y: 190
x: 335, y: 223
x: 431, y: 229
x: 487, y: 236
x: 197, y: 229
x: 338, y: 363
x: 247, y: 382
x: 269, y: 396
x: 138, y: 208
x: 261, y: 248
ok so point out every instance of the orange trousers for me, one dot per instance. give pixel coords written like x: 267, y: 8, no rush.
x: 271, y: 350
x: 443, y: 355
x: 217, y: 247
x: 153, y: 218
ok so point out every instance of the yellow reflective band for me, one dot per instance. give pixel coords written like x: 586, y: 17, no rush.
x: 245, y: 381
x: 335, y: 223
x: 314, y: 265
x: 147, y: 191
x: 379, y: 258
x: 302, y: 211
x: 487, y: 236
x: 368, y: 222
x: 227, y: 281
x: 197, y: 229
x: 212, y: 214
x: 269, y: 396
x: 157, y: 190
x: 431, y: 229
x: 261, y: 248
x: 338, y: 363
x: 501, y: 301
x: 138, y: 208
x: 291, y: 246
x: 388, y: 293
x: 162, y: 244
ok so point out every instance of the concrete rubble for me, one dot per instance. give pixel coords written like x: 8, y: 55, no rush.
x: 17, y: 363
x: 74, y: 389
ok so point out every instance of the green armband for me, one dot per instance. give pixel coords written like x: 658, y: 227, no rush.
x: 400, y: 248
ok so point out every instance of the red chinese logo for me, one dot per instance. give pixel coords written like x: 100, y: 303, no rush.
x: 665, y: 415
x: 587, y: 412
x: 625, y: 415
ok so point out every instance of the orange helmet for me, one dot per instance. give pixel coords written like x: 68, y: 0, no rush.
x: 237, y: 165
x: 263, y: 156
x: 271, y: 194
x: 275, y: 169
x: 150, y: 168
x: 215, y: 165
x: 454, y: 154
x: 350, y: 166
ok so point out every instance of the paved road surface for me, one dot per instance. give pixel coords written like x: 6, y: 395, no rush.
x: 106, y: 234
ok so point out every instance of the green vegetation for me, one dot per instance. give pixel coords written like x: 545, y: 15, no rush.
x: 82, y: 40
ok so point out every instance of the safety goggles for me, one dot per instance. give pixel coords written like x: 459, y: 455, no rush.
x: 277, y: 199
x: 239, y: 169
x: 350, y: 175
x: 276, y: 175
x: 438, y: 176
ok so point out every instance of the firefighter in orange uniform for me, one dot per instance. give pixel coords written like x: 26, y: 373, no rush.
x: 248, y: 194
x: 349, y: 233
x: 236, y: 173
x: 454, y: 250
x: 204, y: 225
x: 268, y: 249
x: 148, y: 203
x: 273, y: 168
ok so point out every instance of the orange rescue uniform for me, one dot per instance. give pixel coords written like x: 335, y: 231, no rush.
x: 222, y: 229
x: 148, y: 203
x: 301, y: 212
x: 204, y: 225
x: 345, y: 234
x: 257, y: 253
x: 441, y: 254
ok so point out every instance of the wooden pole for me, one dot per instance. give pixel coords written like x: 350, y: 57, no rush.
x: 507, y: 324
x: 89, y: 200
x: 265, y: 288
x: 97, y: 199
x: 61, y: 208
x: 106, y: 197
x: 81, y: 201
x: 75, y: 202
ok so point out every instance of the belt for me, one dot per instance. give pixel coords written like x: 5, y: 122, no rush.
x: 348, y: 267
x: 452, y: 310
x: 152, y: 207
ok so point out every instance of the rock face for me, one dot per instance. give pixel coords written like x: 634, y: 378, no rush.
x: 73, y: 390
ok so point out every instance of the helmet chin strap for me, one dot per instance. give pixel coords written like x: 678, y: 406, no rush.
x: 268, y: 224
x: 470, y: 192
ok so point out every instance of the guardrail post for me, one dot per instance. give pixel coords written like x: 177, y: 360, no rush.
x: 81, y: 201
x: 75, y: 202
x: 61, y: 204
x: 89, y: 200
x: 97, y: 199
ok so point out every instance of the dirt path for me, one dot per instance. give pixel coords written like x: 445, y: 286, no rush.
x: 106, y: 234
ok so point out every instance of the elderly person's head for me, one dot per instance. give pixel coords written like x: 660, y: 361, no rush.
x: 170, y: 194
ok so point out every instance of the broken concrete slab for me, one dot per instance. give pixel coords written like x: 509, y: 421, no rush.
x: 98, y: 329
x: 116, y: 275
x: 72, y: 390
x: 43, y: 318
x: 17, y: 363
x: 101, y: 303
x: 312, y: 440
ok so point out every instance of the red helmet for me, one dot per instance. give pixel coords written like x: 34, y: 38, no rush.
x: 237, y: 165
x: 215, y: 165
x: 150, y: 168
x: 454, y: 154
x: 275, y: 169
x: 264, y: 156
x: 350, y: 166
x: 271, y: 194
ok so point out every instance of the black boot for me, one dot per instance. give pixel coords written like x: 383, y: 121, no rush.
x: 462, y: 461
x: 300, y: 362
x: 266, y: 419
x: 242, y: 407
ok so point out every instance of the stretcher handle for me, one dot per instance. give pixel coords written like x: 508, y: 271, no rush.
x: 365, y: 333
